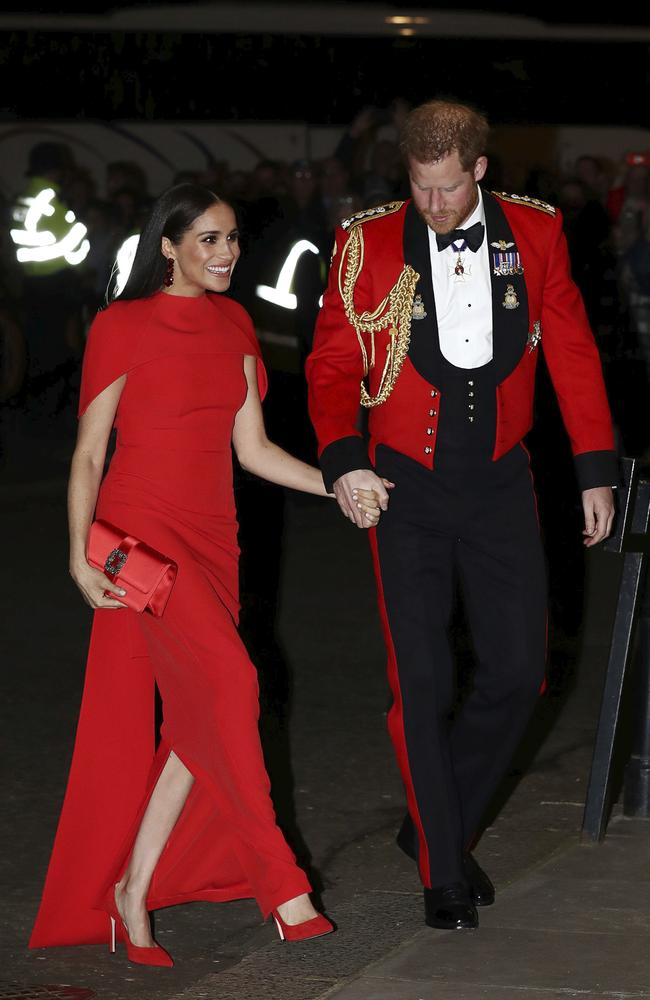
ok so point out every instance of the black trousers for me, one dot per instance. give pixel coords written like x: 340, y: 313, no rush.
x: 477, y: 518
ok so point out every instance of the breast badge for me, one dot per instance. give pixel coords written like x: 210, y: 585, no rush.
x: 460, y: 272
x: 510, y: 300
x: 419, y: 312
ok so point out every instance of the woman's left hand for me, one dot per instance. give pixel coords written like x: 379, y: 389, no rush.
x: 368, y: 503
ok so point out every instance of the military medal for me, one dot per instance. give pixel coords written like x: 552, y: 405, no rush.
x: 459, y: 271
x: 505, y: 263
x: 510, y: 300
x: 534, y: 336
x: 419, y: 312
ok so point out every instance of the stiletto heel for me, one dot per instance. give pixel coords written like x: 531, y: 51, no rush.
x: 154, y: 955
x: 316, y: 927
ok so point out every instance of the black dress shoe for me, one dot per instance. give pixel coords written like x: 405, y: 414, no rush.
x: 449, y: 907
x: 481, y: 889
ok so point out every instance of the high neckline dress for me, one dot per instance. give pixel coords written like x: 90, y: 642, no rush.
x: 170, y: 484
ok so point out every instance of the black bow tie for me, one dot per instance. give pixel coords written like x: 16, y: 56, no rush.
x: 472, y: 237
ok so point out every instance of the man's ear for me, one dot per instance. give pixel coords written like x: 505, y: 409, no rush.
x: 480, y: 167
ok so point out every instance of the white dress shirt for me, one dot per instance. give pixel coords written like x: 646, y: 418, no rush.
x: 464, y: 303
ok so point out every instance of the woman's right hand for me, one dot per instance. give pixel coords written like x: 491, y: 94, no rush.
x: 96, y: 589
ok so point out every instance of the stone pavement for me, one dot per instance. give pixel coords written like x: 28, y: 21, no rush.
x: 568, y: 919
x: 575, y: 926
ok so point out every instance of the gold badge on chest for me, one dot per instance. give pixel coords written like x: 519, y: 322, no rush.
x: 510, y: 300
x: 419, y: 312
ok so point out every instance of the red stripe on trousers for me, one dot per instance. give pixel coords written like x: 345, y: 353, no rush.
x: 396, y: 718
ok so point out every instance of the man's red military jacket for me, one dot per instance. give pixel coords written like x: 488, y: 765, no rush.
x: 550, y: 314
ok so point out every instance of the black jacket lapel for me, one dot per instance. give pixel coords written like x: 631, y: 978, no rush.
x: 424, y: 352
x: 509, y: 325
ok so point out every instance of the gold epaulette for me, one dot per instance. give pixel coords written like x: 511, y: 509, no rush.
x: 372, y: 213
x: 524, y: 199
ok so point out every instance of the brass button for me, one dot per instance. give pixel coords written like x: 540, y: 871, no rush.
x: 434, y: 392
x: 471, y: 420
x: 470, y: 393
x: 427, y: 451
x: 429, y: 430
x: 432, y: 413
x: 470, y: 406
x: 470, y: 383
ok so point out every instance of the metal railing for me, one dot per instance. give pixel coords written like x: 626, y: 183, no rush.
x: 632, y: 621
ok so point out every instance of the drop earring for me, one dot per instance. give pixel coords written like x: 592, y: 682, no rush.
x: 168, y: 280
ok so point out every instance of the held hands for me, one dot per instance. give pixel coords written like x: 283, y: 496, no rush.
x: 96, y: 589
x: 598, y: 505
x: 362, y: 496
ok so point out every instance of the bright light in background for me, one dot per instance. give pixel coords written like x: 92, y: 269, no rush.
x: 280, y: 294
x: 30, y: 213
x: 124, y: 261
x: 36, y: 245
x: 75, y: 257
x: 406, y: 19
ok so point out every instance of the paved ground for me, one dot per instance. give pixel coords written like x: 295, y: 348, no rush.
x: 569, y: 919
x: 574, y: 926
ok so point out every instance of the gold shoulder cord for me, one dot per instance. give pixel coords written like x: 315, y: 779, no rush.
x: 393, y: 312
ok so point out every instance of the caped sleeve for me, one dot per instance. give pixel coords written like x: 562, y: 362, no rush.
x: 239, y: 315
x: 110, y: 351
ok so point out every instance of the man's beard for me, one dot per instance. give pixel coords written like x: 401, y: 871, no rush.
x: 455, y: 217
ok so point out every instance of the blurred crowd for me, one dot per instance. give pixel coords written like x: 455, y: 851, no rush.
x: 46, y: 305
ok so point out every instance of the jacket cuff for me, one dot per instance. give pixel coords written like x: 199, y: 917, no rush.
x: 597, y: 468
x: 344, y: 455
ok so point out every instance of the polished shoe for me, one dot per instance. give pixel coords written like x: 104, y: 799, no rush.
x: 480, y: 888
x: 450, y: 908
x: 154, y: 955
x: 316, y: 927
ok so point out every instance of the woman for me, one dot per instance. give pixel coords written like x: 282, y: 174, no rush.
x: 178, y: 371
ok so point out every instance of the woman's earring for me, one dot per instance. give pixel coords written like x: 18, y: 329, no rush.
x: 169, y: 273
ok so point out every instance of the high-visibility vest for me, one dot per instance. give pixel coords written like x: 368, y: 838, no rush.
x: 46, y: 234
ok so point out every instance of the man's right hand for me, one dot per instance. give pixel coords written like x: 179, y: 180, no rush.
x: 345, y: 489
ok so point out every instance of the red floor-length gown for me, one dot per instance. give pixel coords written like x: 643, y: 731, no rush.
x: 170, y: 484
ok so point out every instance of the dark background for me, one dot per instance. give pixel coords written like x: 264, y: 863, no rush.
x: 320, y: 80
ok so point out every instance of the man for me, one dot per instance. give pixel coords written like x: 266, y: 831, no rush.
x: 443, y: 302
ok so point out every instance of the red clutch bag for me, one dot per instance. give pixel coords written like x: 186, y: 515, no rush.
x: 145, y: 574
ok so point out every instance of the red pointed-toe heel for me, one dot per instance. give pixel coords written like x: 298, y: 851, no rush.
x: 154, y: 955
x: 316, y: 927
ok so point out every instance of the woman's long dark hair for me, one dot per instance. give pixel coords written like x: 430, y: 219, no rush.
x: 172, y: 215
